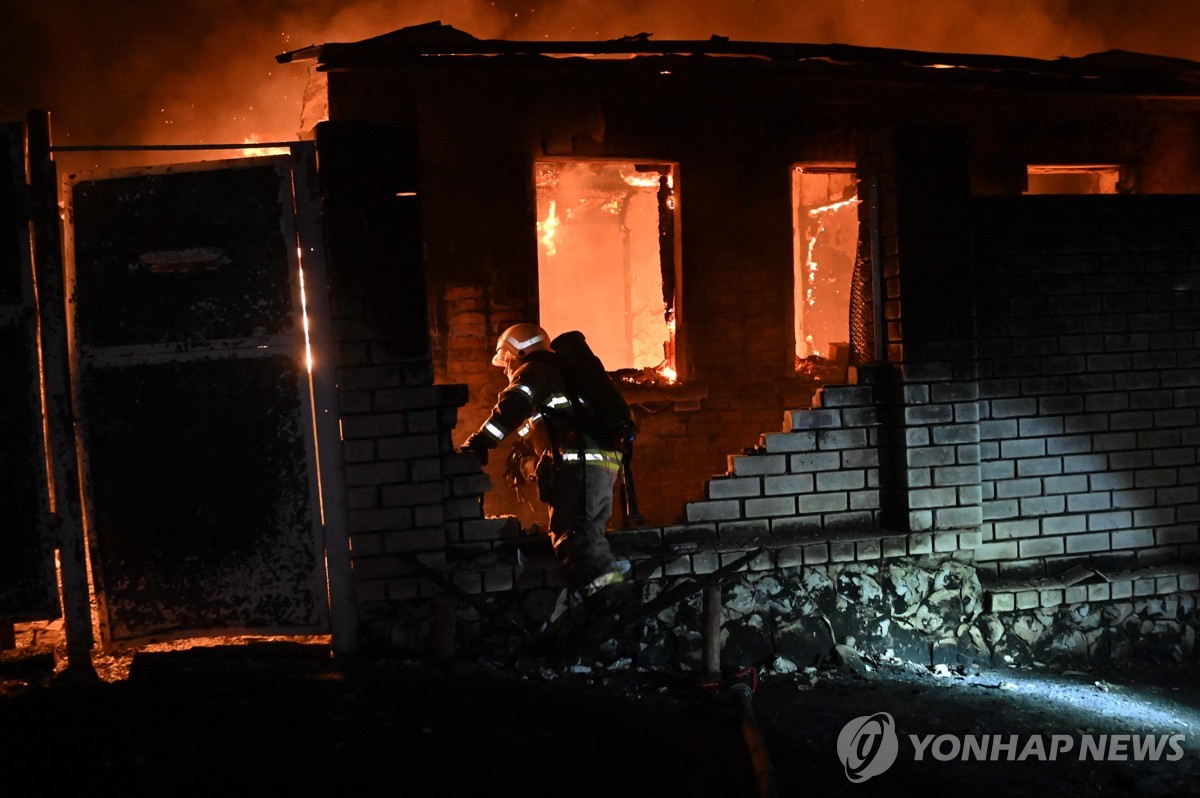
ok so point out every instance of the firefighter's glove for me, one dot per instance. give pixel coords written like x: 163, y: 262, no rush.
x: 479, y: 445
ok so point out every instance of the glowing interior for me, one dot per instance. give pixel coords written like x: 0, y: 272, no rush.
x: 599, y: 259
x: 824, y: 204
x: 1073, y: 179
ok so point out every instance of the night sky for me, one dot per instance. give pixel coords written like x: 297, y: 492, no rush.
x: 191, y: 71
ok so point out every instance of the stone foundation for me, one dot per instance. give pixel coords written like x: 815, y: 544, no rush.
x: 1158, y: 629
x: 928, y: 609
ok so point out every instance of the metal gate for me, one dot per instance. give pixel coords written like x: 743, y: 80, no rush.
x: 197, y: 444
x: 27, y: 578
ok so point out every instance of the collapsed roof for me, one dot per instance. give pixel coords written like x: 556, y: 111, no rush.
x: 1114, y: 71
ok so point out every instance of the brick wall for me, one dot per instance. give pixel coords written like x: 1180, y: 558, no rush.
x: 820, y: 474
x: 916, y: 183
x: 403, y: 481
x: 1089, y: 380
x: 1038, y: 407
x: 1044, y: 365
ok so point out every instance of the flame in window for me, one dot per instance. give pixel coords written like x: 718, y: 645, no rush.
x: 600, y: 239
x: 811, y: 233
x: 547, y: 228
x: 816, y: 213
x: 810, y: 239
x: 825, y: 241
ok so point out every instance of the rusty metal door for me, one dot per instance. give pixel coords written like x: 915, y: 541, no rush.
x: 199, y: 467
x: 27, y: 578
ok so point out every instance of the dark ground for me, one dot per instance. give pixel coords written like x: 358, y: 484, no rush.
x: 278, y: 716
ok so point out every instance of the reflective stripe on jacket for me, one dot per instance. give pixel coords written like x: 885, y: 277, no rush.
x: 537, y: 406
x: 595, y: 457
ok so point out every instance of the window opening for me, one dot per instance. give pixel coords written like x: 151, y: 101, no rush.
x: 825, y: 245
x: 1072, y: 179
x: 606, y: 260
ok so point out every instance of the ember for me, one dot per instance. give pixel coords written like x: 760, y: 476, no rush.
x: 664, y: 375
x: 820, y: 370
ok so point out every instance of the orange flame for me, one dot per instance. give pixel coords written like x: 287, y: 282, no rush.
x: 810, y: 240
x: 547, y: 229
x: 255, y: 152
x: 833, y: 206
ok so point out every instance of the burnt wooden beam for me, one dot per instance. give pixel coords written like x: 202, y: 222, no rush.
x: 1143, y: 75
x: 264, y: 145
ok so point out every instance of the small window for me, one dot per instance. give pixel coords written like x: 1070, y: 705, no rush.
x: 606, y: 260
x: 825, y: 245
x: 1072, y: 179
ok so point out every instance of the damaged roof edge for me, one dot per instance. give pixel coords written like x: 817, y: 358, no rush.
x: 436, y: 39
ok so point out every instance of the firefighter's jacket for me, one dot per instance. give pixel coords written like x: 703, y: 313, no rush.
x: 538, y: 406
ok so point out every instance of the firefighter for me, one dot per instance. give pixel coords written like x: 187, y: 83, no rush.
x: 575, y: 474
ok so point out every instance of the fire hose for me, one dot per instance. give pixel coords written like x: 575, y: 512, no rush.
x: 740, y: 692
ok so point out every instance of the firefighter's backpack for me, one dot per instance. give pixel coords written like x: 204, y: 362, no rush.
x: 602, y: 410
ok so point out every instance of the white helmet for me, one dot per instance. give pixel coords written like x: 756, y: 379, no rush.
x: 518, y: 341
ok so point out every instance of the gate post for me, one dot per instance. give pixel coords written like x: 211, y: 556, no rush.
x: 343, y: 601
x: 712, y: 628
x: 60, y: 417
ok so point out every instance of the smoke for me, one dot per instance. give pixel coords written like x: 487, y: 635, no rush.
x: 195, y: 71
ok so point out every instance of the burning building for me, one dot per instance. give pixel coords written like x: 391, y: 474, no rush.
x: 917, y: 331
